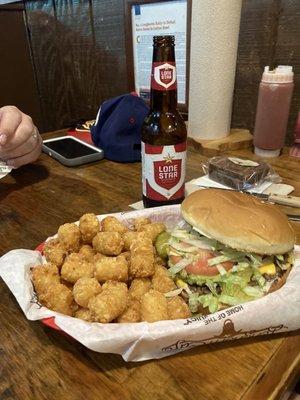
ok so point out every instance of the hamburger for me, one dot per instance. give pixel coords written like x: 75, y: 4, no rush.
x: 230, y: 249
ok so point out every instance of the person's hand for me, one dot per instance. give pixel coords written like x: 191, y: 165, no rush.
x: 20, y: 141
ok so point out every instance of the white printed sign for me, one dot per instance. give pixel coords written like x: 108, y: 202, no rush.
x: 155, y: 19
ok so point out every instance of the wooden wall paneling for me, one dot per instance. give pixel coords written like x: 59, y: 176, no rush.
x: 269, y: 35
x: 256, y: 48
x: 109, y: 26
x: 17, y: 83
x: 288, y: 53
x: 42, y: 28
x: 77, y: 54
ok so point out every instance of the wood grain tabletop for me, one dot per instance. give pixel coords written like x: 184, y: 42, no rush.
x: 39, y: 363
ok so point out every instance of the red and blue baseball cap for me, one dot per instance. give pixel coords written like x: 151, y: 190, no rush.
x: 117, y: 129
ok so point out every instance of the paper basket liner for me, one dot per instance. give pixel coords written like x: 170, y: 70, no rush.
x: 277, y: 312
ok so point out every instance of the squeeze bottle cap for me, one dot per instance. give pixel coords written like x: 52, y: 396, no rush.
x: 281, y: 74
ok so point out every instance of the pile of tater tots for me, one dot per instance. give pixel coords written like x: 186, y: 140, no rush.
x: 107, y: 272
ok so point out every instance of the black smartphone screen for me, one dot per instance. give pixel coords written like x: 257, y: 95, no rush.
x: 70, y: 148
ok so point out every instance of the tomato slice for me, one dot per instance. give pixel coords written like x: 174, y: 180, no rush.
x: 201, y: 267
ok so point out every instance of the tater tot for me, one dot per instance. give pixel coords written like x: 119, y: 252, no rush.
x: 58, y: 298
x: 84, y: 289
x: 126, y: 255
x: 110, y: 303
x: 107, y: 272
x: 97, y: 257
x: 89, y: 226
x: 54, y: 252
x: 154, y: 307
x: 112, y: 224
x: 114, y: 285
x: 85, y: 314
x: 87, y: 252
x: 153, y: 230
x: 139, y: 222
x: 142, y: 258
x: 177, y: 308
x: 75, y: 267
x: 69, y: 237
x: 108, y: 243
x: 161, y: 281
x: 111, y: 268
x: 130, y: 236
x: 132, y: 313
x: 138, y: 287
x: 44, y: 276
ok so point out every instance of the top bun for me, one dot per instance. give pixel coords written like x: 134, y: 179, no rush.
x: 239, y: 220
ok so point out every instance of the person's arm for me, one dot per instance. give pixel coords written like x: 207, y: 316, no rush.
x: 20, y: 141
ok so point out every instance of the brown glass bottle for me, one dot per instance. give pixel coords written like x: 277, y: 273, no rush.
x: 163, y: 132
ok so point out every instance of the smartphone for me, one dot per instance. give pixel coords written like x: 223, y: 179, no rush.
x: 71, y: 151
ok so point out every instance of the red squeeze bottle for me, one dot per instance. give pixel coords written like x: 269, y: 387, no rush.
x: 273, y: 106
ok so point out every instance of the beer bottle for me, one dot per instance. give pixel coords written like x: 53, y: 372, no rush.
x: 163, y: 132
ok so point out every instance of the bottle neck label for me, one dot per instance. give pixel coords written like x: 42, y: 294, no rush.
x: 163, y: 76
x: 163, y: 169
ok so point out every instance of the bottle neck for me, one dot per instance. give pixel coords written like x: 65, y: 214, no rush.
x: 163, y: 96
x: 163, y: 101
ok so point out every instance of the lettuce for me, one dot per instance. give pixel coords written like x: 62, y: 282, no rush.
x: 210, y: 301
x: 257, y: 276
x: 240, y: 278
x: 212, y: 286
x: 233, y: 290
x: 217, y: 260
x: 256, y: 259
x: 230, y: 300
x: 279, y: 257
x: 233, y: 254
x: 194, y: 302
x: 221, y: 269
x: 179, y: 266
x: 198, y: 280
x: 253, y: 291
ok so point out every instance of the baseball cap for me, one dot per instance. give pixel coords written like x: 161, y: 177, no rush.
x: 117, y: 129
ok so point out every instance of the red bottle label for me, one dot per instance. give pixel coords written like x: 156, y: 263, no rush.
x: 163, y: 76
x: 163, y: 171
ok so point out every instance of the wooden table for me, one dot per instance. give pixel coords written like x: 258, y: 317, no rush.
x: 39, y: 363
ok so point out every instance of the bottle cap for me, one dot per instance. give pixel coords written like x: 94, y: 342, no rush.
x: 266, y: 153
x: 281, y: 74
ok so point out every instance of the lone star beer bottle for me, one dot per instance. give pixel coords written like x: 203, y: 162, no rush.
x: 163, y: 132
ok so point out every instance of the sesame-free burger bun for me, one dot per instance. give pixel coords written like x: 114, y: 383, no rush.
x: 239, y: 220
